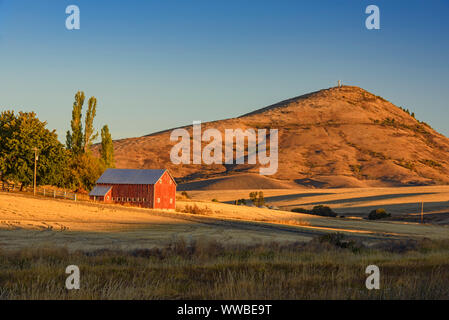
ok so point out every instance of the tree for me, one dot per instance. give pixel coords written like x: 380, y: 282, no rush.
x: 84, y: 170
x: 257, y: 198
x: 19, y: 134
x: 107, y: 148
x: 89, y: 134
x: 75, y: 137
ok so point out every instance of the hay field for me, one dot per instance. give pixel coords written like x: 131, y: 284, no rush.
x: 26, y: 220
x: 348, y: 201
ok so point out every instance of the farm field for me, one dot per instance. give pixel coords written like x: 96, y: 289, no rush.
x: 223, y: 251
x: 358, y: 202
x: 25, y: 220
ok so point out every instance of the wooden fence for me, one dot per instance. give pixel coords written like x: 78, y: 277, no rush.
x: 40, y: 191
x: 56, y: 194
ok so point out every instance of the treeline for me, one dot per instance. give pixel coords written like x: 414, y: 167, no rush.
x: 70, y: 166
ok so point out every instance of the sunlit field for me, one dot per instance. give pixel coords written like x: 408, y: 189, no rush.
x: 329, y: 267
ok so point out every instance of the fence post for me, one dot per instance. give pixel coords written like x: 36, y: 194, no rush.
x: 54, y: 193
x: 44, y: 192
x: 65, y: 194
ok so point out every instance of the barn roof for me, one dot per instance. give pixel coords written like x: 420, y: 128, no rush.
x: 131, y: 176
x: 100, y: 191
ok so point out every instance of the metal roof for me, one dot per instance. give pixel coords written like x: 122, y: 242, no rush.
x: 100, y: 191
x: 131, y: 176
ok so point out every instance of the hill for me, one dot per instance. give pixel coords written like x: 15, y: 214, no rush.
x: 337, y: 137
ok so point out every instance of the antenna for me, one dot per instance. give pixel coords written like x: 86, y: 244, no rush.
x: 339, y: 83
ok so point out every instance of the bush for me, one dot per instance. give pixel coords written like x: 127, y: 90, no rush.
x: 319, y: 210
x: 378, y: 214
x: 195, y: 209
x: 214, y: 200
x: 184, y: 194
x: 257, y: 198
x: 240, y: 202
x: 301, y: 210
x: 339, y: 240
x: 324, y: 211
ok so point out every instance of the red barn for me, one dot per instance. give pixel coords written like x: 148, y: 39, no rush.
x: 150, y: 188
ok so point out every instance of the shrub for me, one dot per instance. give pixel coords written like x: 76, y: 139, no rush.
x: 301, y: 210
x: 319, y: 210
x: 184, y: 193
x: 240, y: 201
x: 341, y: 241
x: 378, y: 214
x: 195, y: 209
x: 325, y: 211
x: 257, y: 198
x: 214, y: 200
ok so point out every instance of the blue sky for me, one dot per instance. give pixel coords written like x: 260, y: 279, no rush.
x: 155, y: 65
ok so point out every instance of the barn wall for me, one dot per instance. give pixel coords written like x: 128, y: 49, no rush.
x: 135, y: 194
x: 165, y: 193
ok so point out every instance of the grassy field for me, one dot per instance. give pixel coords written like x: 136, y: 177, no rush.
x: 325, y: 268
x: 216, y: 251
x: 358, y: 202
x: 27, y: 220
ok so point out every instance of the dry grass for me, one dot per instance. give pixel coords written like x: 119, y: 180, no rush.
x: 324, y: 268
x: 321, y: 135
x: 195, y: 209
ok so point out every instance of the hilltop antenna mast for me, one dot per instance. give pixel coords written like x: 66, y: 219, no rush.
x: 339, y: 83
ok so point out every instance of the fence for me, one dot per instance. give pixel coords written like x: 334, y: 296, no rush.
x: 55, y: 194
x: 46, y: 192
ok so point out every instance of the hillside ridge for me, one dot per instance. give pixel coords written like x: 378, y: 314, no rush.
x: 336, y: 137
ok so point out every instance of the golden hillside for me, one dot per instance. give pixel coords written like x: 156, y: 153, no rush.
x: 337, y: 137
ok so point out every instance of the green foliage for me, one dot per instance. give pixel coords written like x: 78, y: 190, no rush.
x: 89, y: 134
x: 84, y: 169
x: 378, y: 214
x: 339, y: 240
x: 107, y: 148
x: 257, y: 198
x: 19, y: 134
x: 78, y: 141
x: 319, y: 210
x: 240, y: 201
x: 75, y: 137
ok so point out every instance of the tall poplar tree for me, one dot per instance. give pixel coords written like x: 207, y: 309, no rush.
x: 107, y: 148
x: 89, y: 134
x: 75, y: 137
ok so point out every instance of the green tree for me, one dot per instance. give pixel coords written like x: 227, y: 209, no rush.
x: 107, y: 148
x: 257, y: 198
x: 74, y: 138
x: 84, y: 170
x: 89, y: 134
x: 19, y: 134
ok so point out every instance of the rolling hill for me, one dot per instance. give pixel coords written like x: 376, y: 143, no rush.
x: 336, y: 137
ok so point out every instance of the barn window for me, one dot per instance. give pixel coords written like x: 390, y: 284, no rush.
x: 128, y: 199
x: 144, y: 199
x: 138, y: 199
x: 170, y: 181
x: 158, y: 200
x: 171, y: 200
